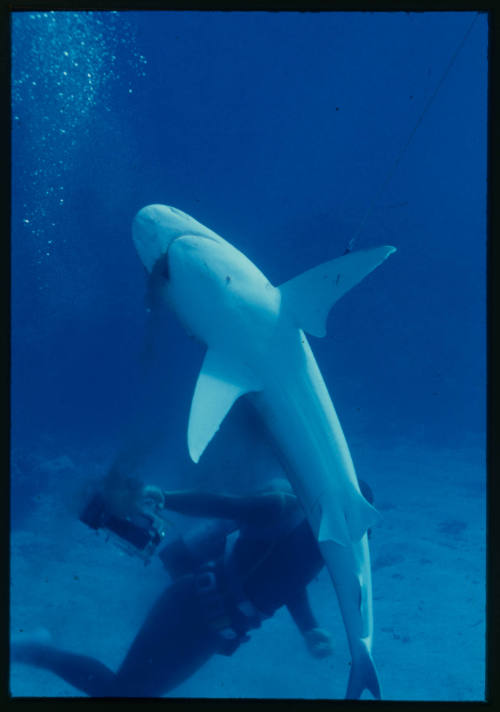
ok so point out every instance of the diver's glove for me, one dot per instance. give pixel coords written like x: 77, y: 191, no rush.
x: 319, y: 642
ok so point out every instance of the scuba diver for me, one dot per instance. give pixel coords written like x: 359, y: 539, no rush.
x: 228, y: 577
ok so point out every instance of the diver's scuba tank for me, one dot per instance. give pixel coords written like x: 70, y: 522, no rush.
x: 185, y: 554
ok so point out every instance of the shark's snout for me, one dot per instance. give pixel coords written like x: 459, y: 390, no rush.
x: 155, y: 227
x: 151, y: 234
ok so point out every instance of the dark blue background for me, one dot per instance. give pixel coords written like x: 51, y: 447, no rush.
x: 278, y: 131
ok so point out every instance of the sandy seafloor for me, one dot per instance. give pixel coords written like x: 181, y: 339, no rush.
x: 428, y: 564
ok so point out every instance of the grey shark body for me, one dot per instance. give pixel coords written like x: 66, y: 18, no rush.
x: 256, y: 346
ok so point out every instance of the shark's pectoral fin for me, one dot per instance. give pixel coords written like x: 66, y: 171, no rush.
x: 310, y: 296
x: 219, y: 384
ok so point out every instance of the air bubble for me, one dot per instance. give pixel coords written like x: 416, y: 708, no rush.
x: 72, y: 58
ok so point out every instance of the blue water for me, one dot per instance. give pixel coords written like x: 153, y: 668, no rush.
x: 286, y: 133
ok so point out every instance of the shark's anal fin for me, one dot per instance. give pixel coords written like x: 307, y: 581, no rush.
x: 310, y: 296
x: 348, y: 523
x: 219, y: 384
x: 333, y: 528
x: 360, y: 516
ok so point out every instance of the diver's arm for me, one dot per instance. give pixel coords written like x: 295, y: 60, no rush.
x: 206, y: 504
x: 317, y: 639
x: 301, y: 611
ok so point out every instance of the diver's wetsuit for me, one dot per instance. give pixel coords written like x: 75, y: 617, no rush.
x: 265, y: 567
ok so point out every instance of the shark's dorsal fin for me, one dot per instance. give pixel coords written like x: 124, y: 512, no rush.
x: 310, y: 296
x: 219, y: 384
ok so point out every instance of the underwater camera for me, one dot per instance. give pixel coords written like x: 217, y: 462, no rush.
x: 137, y: 533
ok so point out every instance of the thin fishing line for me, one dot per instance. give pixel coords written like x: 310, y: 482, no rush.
x: 412, y: 134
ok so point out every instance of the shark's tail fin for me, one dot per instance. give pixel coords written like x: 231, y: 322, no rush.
x: 363, y: 676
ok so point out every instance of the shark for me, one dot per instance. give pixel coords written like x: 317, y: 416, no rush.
x: 255, y: 334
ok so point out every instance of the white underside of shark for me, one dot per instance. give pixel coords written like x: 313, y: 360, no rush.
x: 256, y: 346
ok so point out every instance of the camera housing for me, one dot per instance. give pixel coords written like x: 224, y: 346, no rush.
x: 138, y: 533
